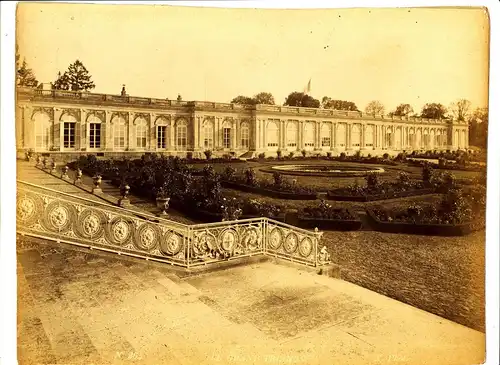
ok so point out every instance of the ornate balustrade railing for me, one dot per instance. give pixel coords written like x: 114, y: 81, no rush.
x: 48, y: 214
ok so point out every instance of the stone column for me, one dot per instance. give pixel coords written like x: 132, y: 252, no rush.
x: 301, y: 135
x: 348, y: 142
x: 333, y: 137
x: 196, y: 132
x: 84, y: 131
x: 172, y: 144
x: 363, y: 136
x: 152, y: 133
x: 264, y: 122
x: 58, y: 138
x: 283, y: 135
x: 233, y: 135
x: 131, y: 131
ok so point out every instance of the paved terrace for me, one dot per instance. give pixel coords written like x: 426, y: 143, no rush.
x: 83, y: 307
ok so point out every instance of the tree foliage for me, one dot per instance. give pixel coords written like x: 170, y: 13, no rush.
x: 403, y: 110
x: 264, y: 98
x: 260, y: 98
x: 375, y: 107
x: 434, y: 111
x: 301, y: 99
x: 76, y: 78
x: 460, y: 109
x: 25, y: 76
x: 478, y: 128
x: 329, y: 103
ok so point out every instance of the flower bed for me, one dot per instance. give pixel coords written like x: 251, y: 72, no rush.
x: 273, y: 193
x: 460, y: 212
x: 375, y: 190
x: 325, y: 217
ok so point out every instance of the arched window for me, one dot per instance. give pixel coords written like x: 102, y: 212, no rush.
x: 42, y: 130
x: 119, y: 133
x: 69, y: 131
x: 411, y: 137
x: 226, y: 134
x: 355, y: 135
x: 397, y: 138
x: 419, y: 139
x: 369, y: 136
x: 326, y: 135
x: 94, y: 124
x: 208, y: 134
x: 141, y: 133
x: 162, y: 133
x: 309, y: 133
x: 291, y: 134
x: 341, y: 133
x: 426, y: 138
x: 245, y: 135
x: 432, y: 139
x: 181, y: 133
x: 388, y: 137
x: 273, y: 134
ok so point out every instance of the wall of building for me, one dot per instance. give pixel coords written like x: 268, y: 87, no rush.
x: 73, y: 123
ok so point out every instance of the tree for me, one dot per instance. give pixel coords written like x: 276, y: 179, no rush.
x: 433, y: 111
x: 460, y: 109
x: 374, y: 107
x: 264, y: 98
x: 76, y: 78
x: 478, y: 128
x: 25, y: 76
x: 260, y: 98
x: 301, y: 99
x: 329, y: 103
x: 246, y: 100
x: 403, y: 110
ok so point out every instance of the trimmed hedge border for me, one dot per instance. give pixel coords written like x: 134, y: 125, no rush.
x: 370, y: 198
x: 268, y: 192
x: 268, y: 170
x: 424, y: 229
x: 331, y: 224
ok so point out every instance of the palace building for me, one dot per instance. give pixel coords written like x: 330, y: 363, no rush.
x: 66, y: 123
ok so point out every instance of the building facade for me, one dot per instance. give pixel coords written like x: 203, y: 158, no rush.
x: 61, y: 122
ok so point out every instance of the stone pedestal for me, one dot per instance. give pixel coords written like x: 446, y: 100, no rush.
x: 124, y: 202
x: 330, y: 270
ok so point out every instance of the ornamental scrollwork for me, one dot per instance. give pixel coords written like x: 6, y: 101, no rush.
x: 100, y: 114
x: 48, y: 111
x: 145, y: 116
x: 123, y: 115
x: 162, y: 119
x: 76, y: 113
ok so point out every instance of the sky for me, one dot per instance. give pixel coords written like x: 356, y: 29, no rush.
x: 414, y: 56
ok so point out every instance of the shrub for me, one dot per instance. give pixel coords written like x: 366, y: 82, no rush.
x: 385, y: 156
x: 427, y: 173
x: 278, y: 179
x: 442, y: 162
x: 304, y: 153
x: 279, y: 154
x: 372, y: 180
x: 250, y: 177
x: 229, y: 173
x: 291, y: 154
x: 189, y: 155
x: 329, y: 154
x: 342, y: 156
x: 262, y: 155
x: 208, y: 154
x: 404, y: 178
x: 357, y: 155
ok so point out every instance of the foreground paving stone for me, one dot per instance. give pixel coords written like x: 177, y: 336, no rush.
x: 77, y: 307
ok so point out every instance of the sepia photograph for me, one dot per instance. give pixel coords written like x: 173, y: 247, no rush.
x: 222, y: 185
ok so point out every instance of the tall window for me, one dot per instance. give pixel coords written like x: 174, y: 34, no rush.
x: 119, y: 132
x: 42, y: 130
x: 161, y: 136
x: 141, y: 133
x: 397, y: 137
x: 411, y: 137
x: 369, y: 136
x: 69, y: 135
x: 309, y: 132
x: 355, y: 135
x: 95, y: 135
x: 181, y: 129
x: 245, y: 135
x: 326, y: 135
x: 273, y: 134
x: 341, y: 132
x: 226, y: 142
x: 291, y: 134
x: 388, y: 138
x: 419, y: 139
x: 208, y: 135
